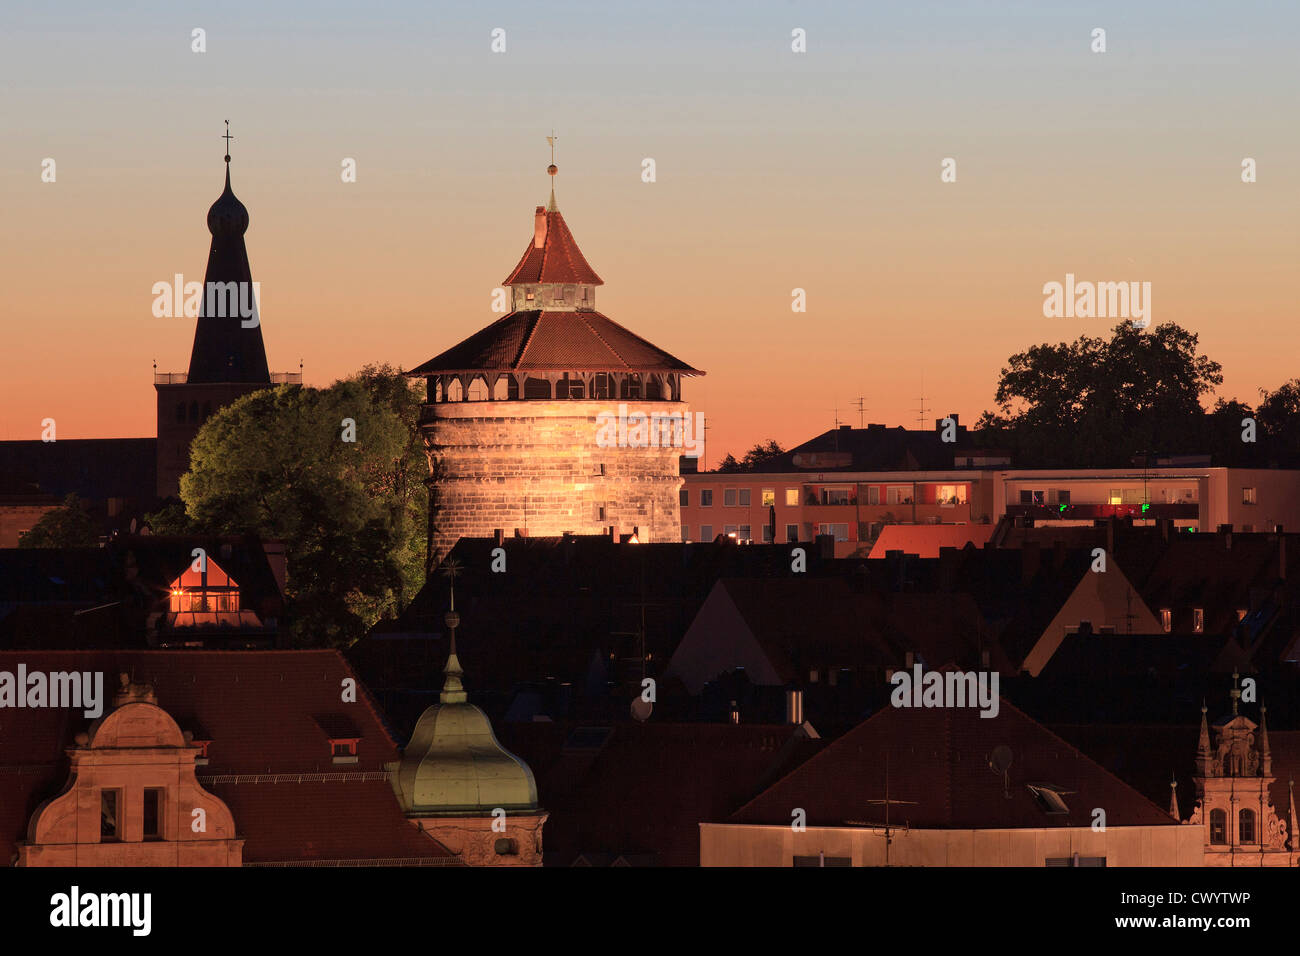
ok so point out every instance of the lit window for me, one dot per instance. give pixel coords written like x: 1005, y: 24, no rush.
x: 1247, y: 496
x: 792, y: 497
x: 1198, y: 620
x: 769, y: 497
x: 1115, y: 497
x: 1166, y: 619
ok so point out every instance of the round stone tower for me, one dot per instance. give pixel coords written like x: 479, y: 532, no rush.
x: 555, y: 418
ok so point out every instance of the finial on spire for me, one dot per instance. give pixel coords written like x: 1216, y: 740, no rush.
x: 551, y: 171
x: 453, y: 691
x: 227, y: 138
x: 1235, y: 693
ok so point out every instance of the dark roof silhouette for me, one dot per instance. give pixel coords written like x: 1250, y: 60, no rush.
x: 939, y: 758
x: 554, y: 341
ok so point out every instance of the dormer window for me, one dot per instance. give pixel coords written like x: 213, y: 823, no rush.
x: 343, y: 749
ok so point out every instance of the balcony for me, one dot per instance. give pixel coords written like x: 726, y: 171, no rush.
x: 180, y: 378
x: 1187, y: 511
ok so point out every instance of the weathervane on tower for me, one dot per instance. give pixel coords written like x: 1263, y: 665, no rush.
x: 227, y: 138
x: 552, y: 170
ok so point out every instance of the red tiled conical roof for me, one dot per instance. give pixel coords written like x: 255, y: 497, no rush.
x: 557, y: 260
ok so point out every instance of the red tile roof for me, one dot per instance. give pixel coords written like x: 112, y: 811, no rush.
x: 939, y: 759
x: 558, y: 260
x: 554, y: 341
x: 265, y: 713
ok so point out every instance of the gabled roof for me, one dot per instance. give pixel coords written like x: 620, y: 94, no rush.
x: 557, y: 260
x: 267, y: 714
x: 939, y: 761
x: 559, y: 341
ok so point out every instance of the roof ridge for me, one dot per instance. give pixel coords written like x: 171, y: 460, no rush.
x: 592, y: 328
x: 528, y: 339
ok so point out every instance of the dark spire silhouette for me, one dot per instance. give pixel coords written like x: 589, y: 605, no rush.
x: 224, y: 349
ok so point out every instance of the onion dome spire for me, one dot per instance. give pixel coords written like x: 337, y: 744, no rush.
x: 228, y: 217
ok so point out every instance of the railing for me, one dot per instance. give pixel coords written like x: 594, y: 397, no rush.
x: 180, y: 378
x: 1081, y: 511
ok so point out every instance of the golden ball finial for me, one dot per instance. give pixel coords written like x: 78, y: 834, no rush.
x: 552, y: 169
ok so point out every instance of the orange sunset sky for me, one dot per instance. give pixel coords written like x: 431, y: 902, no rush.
x: 775, y: 170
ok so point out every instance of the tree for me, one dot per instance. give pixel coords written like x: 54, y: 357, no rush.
x: 337, y: 474
x: 729, y: 464
x: 1101, y: 402
x: 67, y: 526
x: 1279, y: 419
x: 757, y: 458
x: 761, y: 455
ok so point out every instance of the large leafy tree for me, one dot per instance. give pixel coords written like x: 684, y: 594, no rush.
x: 1102, y: 401
x: 335, y: 473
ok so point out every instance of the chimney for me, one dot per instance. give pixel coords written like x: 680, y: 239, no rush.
x: 794, y: 706
x: 539, y: 227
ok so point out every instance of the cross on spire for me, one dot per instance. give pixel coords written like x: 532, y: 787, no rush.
x: 227, y: 138
x: 552, y: 170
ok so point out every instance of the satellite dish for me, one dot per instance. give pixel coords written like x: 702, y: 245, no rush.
x: 1000, y: 759
x: 641, y: 709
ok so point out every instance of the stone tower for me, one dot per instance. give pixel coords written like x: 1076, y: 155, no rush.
x: 554, y: 418
x: 228, y: 359
x: 1236, y: 790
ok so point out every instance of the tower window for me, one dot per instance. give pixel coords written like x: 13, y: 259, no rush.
x: 1218, y: 827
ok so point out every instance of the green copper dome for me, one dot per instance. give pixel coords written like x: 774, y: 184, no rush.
x: 454, y: 764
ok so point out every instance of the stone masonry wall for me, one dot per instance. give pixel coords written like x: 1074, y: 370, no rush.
x: 536, y: 466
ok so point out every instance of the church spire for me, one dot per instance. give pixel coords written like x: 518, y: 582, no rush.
x: 1173, y: 797
x: 228, y: 335
x: 1203, y: 754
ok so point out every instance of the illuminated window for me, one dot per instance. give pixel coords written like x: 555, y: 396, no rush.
x: 1166, y: 619
x: 1198, y: 620
x: 1247, y: 496
x: 792, y: 497
x: 769, y: 497
x: 1115, y: 497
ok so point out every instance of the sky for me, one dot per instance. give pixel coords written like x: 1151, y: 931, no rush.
x: 775, y: 171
